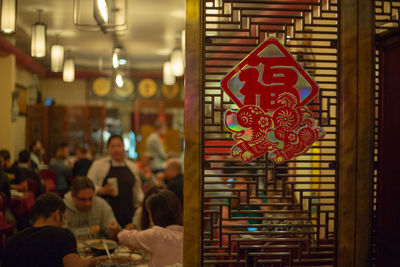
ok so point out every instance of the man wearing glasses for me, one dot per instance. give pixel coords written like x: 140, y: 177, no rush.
x: 89, y: 216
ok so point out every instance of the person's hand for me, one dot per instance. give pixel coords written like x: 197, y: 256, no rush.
x: 106, y: 190
x: 113, y: 229
x: 129, y: 226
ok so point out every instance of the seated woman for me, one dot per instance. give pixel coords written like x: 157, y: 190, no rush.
x: 164, y: 240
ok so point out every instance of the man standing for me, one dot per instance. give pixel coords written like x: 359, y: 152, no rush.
x: 155, y: 148
x: 87, y: 213
x: 116, y: 180
x: 46, y: 243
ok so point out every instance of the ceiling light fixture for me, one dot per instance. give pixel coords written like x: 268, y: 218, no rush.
x: 108, y: 16
x: 183, y: 45
x: 38, y: 38
x: 118, y: 80
x: 57, y: 57
x: 100, y: 11
x: 69, y: 70
x: 115, y: 61
x: 168, y: 76
x: 176, y: 62
x: 8, y: 15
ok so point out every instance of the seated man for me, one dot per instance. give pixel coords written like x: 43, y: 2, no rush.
x: 24, y: 166
x: 87, y: 213
x: 46, y: 243
x: 18, y: 180
x: 172, y: 177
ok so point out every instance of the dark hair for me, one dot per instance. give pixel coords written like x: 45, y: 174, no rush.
x: 81, y: 148
x: 33, y: 144
x: 24, y: 156
x: 165, y: 208
x: 5, y: 154
x: 114, y: 136
x: 46, y: 204
x: 145, y: 219
x: 80, y: 183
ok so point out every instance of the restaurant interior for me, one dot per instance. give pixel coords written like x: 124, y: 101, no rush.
x: 76, y: 72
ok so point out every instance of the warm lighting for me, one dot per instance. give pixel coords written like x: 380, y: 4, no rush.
x: 115, y: 59
x: 183, y: 45
x: 168, y: 76
x: 119, y: 81
x: 101, y: 11
x: 69, y: 70
x: 177, y: 62
x: 38, y: 39
x: 8, y: 15
x: 57, y: 57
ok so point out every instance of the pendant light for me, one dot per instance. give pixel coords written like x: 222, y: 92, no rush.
x: 119, y: 80
x: 168, y: 76
x: 69, y: 70
x: 38, y: 40
x: 57, y: 57
x: 177, y: 62
x: 8, y: 15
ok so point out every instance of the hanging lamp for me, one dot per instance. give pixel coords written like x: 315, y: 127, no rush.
x: 38, y: 38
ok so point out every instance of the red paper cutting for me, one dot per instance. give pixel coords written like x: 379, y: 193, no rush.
x: 272, y: 91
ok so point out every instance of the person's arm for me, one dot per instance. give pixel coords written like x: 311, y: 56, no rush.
x: 138, y: 194
x: 73, y: 260
x: 137, y: 239
x: 22, y: 186
x: 108, y: 220
x: 97, y: 173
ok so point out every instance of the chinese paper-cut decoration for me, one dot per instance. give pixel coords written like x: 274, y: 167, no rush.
x: 272, y: 91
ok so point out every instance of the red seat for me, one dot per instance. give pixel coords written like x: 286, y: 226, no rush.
x: 48, y: 177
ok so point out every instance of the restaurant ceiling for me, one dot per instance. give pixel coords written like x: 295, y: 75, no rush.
x: 154, y: 30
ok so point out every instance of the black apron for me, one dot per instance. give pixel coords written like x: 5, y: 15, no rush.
x: 122, y: 204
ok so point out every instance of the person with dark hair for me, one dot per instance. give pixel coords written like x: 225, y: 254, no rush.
x: 164, y: 240
x: 87, y: 212
x: 24, y: 165
x: 18, y: 181
x: 116, y: 180
x: 4, y: 181
x: 82, y: 165
x: 155, y: 148
x: 36, y: 153
x: 141, y: 219
x: 47, y: 243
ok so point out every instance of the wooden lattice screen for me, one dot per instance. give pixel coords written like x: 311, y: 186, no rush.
x: 287, y: 215
x: 387, y: 15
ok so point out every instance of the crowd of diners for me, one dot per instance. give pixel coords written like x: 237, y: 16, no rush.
x: 137, y: 203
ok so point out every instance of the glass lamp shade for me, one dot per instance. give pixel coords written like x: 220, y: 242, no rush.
x: 177, y: 62
x: 69, y: 70
x: 115, y: 61
x: 119, y: 80
x: 168, y: 75
x: 101, y: 11
x: 183, y: 45
x: 8, y: 15
x: 38, y: 40
x: 57, y: 58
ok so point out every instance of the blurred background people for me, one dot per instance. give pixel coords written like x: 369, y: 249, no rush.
x: 82, y: 163
x: 62, y: 170
x: 126, y: 193
x: 172, y: 177
x: 17, y: 180
x: 164, y: 240
x: 88, y: 215
x: 36, y: 153
x: 155, y: 147
x: 145, y: 173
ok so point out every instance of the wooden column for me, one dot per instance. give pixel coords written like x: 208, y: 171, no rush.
x: 193, y: 133
x: 355, y: 132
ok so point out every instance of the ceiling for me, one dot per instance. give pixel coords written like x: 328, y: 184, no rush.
x: 153, y: 31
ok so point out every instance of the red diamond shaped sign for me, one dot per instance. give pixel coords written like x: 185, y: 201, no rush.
x: 265, y: 73
x: 272, y: 91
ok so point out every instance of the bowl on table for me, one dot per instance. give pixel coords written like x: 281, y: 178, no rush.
x: 97, y: 246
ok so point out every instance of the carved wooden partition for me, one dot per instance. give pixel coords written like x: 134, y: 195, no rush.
x: 316, y: 209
